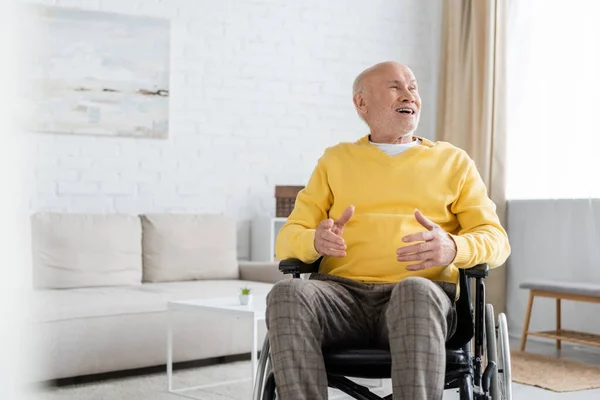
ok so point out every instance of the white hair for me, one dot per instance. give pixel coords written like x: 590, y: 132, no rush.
x: 359, y: 87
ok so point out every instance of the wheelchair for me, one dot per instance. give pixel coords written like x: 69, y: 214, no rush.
x: 477, y: 355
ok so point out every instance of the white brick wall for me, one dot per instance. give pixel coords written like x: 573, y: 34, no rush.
x: 258, y: 90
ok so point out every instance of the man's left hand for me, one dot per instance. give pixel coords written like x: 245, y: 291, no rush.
x: 436, y: 250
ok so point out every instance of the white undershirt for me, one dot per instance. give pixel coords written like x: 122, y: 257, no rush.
x: 393, y: 149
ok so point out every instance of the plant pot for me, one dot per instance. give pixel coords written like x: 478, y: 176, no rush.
x: 245, y: 299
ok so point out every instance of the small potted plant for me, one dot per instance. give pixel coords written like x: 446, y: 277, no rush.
x: 245, y: 296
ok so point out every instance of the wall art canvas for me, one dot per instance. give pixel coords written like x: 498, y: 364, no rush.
x: 98, y: 73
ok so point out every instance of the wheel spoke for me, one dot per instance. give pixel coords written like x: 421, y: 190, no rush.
x: 491, y: 349
x: 504, y: 347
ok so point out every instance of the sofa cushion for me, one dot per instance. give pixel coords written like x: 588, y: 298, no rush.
x: 83, y: 250
x: 180, y: 247
x: 58, y: 305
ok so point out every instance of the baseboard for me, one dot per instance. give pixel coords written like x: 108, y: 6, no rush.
x: 157, y: 369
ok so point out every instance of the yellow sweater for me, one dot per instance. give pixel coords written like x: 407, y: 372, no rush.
x: 435, y: 177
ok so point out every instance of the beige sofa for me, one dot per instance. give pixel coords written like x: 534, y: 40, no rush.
x: 102, y: 283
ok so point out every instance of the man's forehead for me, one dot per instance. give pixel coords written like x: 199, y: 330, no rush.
x: 400, y: 74
x: 397, y: 72
x: 406, y: 80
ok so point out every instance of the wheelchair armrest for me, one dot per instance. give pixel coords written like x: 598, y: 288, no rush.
x: 478, y: 271
x: 295, y: 266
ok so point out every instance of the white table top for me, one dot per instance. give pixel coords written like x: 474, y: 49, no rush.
x: 228, y: 305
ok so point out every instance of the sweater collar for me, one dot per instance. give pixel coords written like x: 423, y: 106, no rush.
x: 424, y: 142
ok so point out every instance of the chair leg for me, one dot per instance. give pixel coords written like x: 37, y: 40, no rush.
x: 527, y: 319
x: 269, y: 388
x: 558, y: 324
x: 466, y: 387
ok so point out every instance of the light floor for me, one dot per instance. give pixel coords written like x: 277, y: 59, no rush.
x: 153, y: 386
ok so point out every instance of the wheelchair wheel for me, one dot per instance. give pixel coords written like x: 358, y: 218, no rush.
x: 491, y: 349
x: 504, y: 366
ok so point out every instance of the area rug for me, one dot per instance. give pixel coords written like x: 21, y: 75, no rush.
x: 553, y: 373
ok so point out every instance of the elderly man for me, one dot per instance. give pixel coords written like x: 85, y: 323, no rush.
x: 393, y: 216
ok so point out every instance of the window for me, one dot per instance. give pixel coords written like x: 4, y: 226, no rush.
x: 553, y: 94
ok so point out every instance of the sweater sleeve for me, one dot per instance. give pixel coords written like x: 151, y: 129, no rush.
x: 297, y: 236
x: 481, y: 238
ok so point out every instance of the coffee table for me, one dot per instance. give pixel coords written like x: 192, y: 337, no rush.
x: 253, y: 313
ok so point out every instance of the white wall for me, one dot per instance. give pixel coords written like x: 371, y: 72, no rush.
x: 258, y: 89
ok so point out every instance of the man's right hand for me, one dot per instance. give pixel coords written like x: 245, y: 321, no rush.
x: 328, y: 236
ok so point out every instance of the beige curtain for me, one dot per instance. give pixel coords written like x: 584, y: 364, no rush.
x: 471, y: 105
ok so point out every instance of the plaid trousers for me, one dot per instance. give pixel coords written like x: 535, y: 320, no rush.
x: 413, y: 318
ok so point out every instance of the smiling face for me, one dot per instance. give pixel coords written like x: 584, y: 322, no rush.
x: 387, y: 98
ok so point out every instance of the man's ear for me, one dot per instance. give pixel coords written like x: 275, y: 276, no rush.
x: 359, y: 103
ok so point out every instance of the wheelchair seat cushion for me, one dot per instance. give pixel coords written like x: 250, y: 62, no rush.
x: 377, y: 363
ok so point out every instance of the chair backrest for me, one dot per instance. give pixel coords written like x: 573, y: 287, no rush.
x: 465, y: 327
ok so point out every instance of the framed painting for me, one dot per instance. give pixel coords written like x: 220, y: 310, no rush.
x: 98, y: 73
